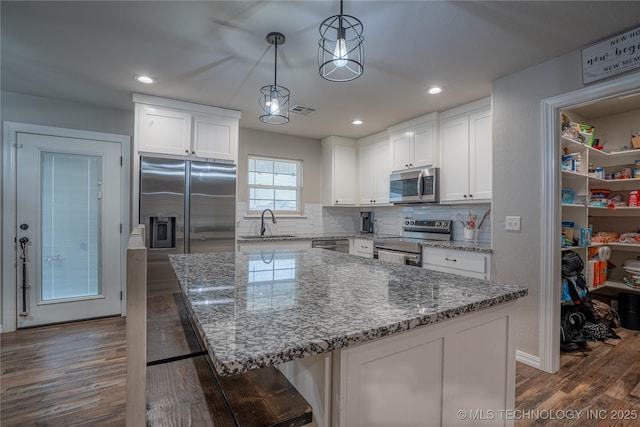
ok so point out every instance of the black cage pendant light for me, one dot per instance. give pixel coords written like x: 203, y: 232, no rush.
x: 340, y: 52
x: 274, y: 100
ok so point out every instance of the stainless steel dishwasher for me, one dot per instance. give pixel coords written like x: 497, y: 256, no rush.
x: 338, y: 245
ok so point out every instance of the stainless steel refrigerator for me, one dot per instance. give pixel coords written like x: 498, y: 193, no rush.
x: 187, y: 207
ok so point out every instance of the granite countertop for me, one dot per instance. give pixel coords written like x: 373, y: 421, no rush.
x: 445, y: 244
x: 310, y: 236
x: 459, y: 245
x: 261, y: 308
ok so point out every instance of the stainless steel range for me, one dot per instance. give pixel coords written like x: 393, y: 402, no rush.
x: 407, y: 249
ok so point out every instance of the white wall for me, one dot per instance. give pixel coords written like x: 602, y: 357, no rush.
x: 517, y: 181
x: 65, y: 114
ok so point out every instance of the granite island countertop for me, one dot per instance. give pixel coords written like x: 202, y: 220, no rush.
x: 262, y: 308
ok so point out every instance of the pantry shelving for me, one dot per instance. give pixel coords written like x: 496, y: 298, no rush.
x: 578, y: 159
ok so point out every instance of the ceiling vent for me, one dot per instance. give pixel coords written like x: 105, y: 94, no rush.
x: 302, y: 110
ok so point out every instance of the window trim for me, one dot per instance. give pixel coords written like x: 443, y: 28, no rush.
x: 299, y: 188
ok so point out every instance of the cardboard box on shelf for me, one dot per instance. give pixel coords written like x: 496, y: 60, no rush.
x: 585, y: 236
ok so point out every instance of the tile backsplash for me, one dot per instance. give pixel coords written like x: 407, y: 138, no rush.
x: 316, y: 219
x: 388, y: 219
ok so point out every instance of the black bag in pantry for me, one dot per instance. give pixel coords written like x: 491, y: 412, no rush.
x: 579, y: 322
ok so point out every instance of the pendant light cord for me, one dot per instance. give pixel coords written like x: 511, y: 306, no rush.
x: 275, y: 65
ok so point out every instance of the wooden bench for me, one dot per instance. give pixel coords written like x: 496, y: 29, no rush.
x: 184, y: 389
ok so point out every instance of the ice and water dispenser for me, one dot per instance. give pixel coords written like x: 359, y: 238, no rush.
x: 163, y: 232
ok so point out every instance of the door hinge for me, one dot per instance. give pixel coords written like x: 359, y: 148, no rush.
x: 120, y: 295
x: 120, y: 228
x: 17, y: 146
x: 121, y: 161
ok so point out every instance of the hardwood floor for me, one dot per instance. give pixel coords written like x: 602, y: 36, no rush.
x: 74, y: 375
x: 604, y: 383
x: 64, y: 375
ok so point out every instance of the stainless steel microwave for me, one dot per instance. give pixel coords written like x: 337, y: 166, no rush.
x: 414, y: 186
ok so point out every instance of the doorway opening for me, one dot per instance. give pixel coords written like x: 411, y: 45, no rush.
x: 586, y: 101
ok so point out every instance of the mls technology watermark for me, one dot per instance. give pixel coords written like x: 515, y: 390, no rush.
x: 547, y: 414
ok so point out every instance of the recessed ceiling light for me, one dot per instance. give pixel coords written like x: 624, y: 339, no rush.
x: 144, y: 79
x: 434, y: 90
x: 357, y: 122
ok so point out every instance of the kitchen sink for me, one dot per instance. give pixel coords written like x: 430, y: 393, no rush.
x: 267, y: 236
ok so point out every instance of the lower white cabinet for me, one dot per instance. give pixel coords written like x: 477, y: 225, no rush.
x: 362, y: 247
x: 428, y: 376
x: 466, y: 263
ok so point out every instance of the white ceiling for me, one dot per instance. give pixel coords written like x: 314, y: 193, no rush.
x: 215, y: 53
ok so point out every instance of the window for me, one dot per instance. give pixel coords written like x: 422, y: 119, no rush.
x: 275, y: 184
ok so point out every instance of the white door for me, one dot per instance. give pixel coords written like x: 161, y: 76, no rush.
x: 68, y: 221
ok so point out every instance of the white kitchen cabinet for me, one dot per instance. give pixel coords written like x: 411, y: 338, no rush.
x: 465, y: 146
x: 215, y: 137
x: 339, y: 171
x: 373, y: 170
x: 426, y: 375
x: 362, y: 247
x: 176, y: 128
x: 466, y: 263
x: 414, y: 143
x: 162, y: 130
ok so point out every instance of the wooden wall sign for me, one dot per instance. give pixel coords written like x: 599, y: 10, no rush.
x: 610, y: 57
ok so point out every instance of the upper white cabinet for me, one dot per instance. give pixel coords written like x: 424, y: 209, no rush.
x: 373, y: 170
x: 465, y: 146
x: 160, y: 130
x: 415, y: 143
x: 215, y: 137
x: 339, y: 171
x: 176, y: 128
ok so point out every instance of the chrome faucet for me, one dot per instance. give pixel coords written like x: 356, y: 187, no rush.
x: 273, y: 218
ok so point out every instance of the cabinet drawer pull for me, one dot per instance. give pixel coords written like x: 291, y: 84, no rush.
x: 450, y: 259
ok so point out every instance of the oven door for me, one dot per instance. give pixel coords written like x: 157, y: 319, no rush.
x: 396, y: 257
x: 416, y: 186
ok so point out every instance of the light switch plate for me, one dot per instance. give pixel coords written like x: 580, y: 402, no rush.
x: 512, y: 223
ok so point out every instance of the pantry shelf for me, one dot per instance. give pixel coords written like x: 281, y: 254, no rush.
x: 614, y: 286
x: 631, y: 247
x: 584, y: 170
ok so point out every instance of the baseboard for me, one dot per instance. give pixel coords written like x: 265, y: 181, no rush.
x: 527, y: 359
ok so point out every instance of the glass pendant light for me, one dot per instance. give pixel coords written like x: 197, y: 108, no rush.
x: 273, y: 104
x: 340, y: 51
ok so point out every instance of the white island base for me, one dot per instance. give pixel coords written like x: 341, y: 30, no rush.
x: 457, y: 372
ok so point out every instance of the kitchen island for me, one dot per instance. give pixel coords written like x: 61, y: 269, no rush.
x: 366, y: 342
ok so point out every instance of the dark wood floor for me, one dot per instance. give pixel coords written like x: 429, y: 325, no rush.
x: 604, y: 383
x: 74, y: 375
x: 64, y: 375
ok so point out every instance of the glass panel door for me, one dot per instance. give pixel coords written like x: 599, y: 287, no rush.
x: 70, y: 203
x: 68, y: 224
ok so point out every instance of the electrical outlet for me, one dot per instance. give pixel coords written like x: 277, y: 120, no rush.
x: 512, y: 223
